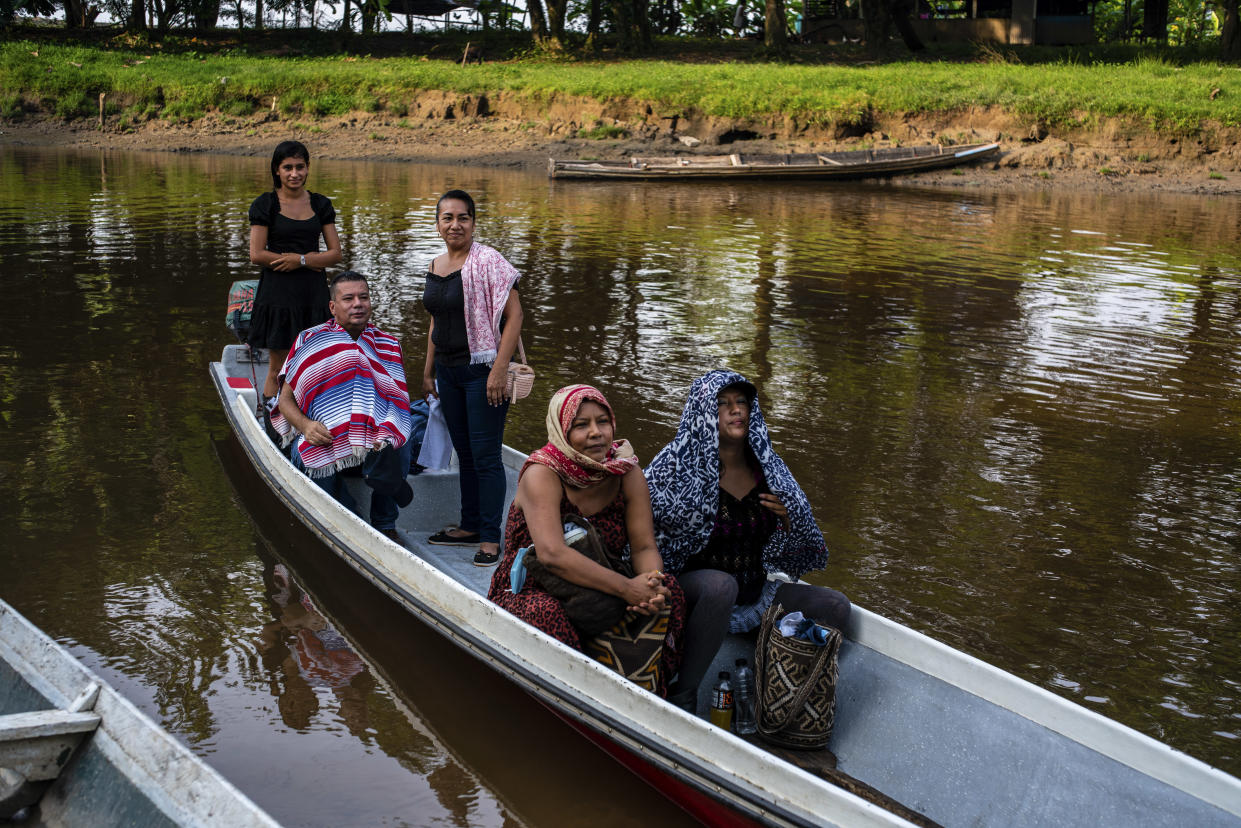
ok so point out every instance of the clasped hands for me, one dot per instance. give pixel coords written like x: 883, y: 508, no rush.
x: 647, y: 594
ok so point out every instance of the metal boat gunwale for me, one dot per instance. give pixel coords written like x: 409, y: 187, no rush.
x: 633, y: 721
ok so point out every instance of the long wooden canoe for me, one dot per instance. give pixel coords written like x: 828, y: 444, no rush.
x: 842, y: 165
x: 74, y: 752
x: 939, y: 732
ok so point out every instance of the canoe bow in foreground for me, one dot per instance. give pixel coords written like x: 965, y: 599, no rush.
x: 852, y: 164
x: 88, y: 756
x: 941, y: 732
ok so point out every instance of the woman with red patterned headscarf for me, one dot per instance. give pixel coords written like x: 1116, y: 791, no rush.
x: 583, y: 470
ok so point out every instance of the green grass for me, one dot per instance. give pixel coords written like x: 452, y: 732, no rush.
x: 602, y: 132
x: 1154, y: 93
x: 1215, y: 176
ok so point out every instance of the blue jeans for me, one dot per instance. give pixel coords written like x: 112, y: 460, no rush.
x: 477, y: 431
x: 384, y: 510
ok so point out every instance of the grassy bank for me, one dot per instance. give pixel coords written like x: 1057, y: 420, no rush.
x: 146, y: 83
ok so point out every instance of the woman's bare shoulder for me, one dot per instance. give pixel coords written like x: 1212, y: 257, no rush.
x: 538, y: 482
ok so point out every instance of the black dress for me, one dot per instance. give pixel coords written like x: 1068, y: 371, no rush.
x: 288, y: 303
x: 444, y: 299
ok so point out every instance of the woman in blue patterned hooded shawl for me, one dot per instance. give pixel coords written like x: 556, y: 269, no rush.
x: 727, y: 514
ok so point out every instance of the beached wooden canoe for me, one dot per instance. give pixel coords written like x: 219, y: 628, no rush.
x: 74, y: 752
x: 841, y: 165
x: 923, y: 732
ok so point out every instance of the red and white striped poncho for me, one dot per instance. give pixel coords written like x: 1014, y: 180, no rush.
x: 354, y: 387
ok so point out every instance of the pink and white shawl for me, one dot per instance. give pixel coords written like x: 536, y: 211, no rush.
x: 354, y: 387
x: 486, y: 279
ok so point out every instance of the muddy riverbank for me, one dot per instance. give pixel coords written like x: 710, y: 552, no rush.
x: 500, y: 131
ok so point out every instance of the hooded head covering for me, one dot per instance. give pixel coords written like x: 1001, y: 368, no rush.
x: 573, y: 467
x: 684, y: 479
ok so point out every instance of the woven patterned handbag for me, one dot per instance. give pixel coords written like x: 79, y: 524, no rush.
x: 520, y: 376
x: 796, y: 703
x: 634, y: 647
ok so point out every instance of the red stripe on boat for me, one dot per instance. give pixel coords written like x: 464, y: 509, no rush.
x: 704, y: 808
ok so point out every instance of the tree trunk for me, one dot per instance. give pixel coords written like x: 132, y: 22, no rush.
x: 138, y: 16
x: 556, y: 11
x: 75, y: 11
x: 902, y: 11
x: 595, y: 17
x: 538, y: 23
x: 1155, y: 20
x: 344, y: 17
x: 632, y: 22
x: 876, y: 26
x: 1230, y: 33
x: 258, y: 14
x: 159, y: 15
x: 775, y: 27
x: 206, y: 14
x: 642, y: 13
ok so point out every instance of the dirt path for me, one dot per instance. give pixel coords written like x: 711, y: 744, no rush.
x: 1109, y: 159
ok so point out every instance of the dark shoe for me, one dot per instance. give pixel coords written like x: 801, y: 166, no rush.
x: 482, y: 558
x: 442, y: 538
x: 392, y: 535
x: 404, y: 495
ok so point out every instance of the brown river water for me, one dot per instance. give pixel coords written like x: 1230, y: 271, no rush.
x: 1017, y: 415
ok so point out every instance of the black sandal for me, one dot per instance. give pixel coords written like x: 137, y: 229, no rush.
x: 482, y: 558
x: 442, y: 538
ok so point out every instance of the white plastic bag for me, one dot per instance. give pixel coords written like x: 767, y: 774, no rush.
x: 436, y: 450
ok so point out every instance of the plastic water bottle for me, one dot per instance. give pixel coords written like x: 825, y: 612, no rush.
x: 722, y: 702
x: 743, y: 699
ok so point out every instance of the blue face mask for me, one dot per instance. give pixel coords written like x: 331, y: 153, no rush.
x: 517, y: 575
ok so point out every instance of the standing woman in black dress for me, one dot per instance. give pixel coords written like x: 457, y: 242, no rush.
x: 285, y: 226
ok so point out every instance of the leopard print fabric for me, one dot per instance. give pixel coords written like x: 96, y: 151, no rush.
x: 539, y: 609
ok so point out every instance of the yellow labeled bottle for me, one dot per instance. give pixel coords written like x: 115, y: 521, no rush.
x: 722, y: 702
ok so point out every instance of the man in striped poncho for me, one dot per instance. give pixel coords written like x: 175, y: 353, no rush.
x: 344, y: 403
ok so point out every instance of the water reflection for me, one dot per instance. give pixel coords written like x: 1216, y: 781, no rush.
x: 1016, y: 414
x: 304, y: 654
x: 321, y: 684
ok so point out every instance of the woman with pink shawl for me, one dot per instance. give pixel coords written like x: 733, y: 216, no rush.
x: 471, y: 294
